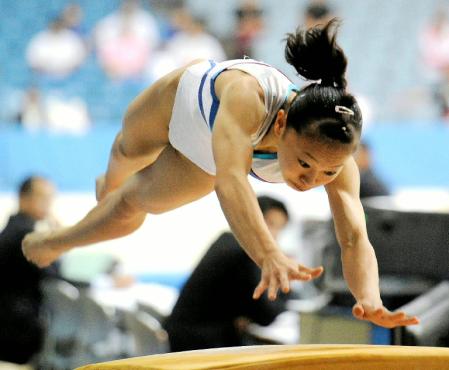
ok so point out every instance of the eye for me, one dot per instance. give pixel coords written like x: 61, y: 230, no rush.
x: 330, y: 173
x: 303, y: 164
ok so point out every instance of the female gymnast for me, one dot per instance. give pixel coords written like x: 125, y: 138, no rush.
x: 208, y: 125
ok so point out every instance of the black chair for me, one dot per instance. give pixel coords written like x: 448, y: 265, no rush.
x: 432, y: 308
x: 412, y: 249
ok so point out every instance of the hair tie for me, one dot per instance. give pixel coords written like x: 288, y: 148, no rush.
x: 344, y: 110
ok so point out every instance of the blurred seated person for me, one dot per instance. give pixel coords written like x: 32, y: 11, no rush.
x: 73, y: 18
x: 66, y: 114
x: 20, y: 295
x: 434, y: 47
x: 53, y: 111
x: 33, y: 113
x: 216, y: 302
x: 317, y: 12
x: 141, y: 22
x: 124, y: 55
x: 370, y: 184
x: 191, y: 40
x: 114, y: 277
x: 128, y: 35
x: 56, y: 52
x: 249, y: 26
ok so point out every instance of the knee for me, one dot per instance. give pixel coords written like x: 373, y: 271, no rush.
x: 124, y: 208
x: 155, y: 208
x: 122, y: 150
x: 132, y: 202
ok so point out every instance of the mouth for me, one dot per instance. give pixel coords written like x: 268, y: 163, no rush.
x: 295, y: 186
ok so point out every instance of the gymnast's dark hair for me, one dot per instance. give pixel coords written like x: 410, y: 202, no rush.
x: 316, y: 56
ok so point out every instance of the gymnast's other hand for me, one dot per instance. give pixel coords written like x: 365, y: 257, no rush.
x: 278, y: 270
x: 381, y: 316
x: 36, y: 249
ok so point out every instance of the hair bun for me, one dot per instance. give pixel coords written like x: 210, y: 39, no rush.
x: 316, y: 55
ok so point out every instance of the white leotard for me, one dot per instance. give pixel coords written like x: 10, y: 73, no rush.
x: 196, y: 106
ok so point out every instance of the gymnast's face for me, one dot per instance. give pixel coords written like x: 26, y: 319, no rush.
x: 306, y: 162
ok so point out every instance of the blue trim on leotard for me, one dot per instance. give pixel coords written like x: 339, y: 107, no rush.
x: 215, y: 100
x: 265, y: 155
x: 253, y: 174
x: 200, y: 90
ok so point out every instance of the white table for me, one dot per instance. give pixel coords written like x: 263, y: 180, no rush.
x: 160, y: 297
x: 283, y: 330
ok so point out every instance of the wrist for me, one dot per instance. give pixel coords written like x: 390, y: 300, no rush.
x: 269, y: 253
x: 370, y: 301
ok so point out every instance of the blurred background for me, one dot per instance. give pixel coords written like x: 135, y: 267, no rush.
x: 68, y: 70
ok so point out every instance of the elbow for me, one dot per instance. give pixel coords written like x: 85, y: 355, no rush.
x: 226, y: 182
x: 351, y: 240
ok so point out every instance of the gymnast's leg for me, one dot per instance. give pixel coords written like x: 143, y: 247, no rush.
x: 171, y: 181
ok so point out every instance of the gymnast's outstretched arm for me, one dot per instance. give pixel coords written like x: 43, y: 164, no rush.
x: 359, y: 260
x: 233, y: 156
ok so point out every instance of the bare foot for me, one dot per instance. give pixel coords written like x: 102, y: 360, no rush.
x: 38, y: 251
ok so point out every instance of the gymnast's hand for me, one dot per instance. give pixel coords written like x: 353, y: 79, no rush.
x: 381, y: 316
x: 278, y: 270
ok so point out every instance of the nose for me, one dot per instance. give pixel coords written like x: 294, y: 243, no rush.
x: 308, y: 179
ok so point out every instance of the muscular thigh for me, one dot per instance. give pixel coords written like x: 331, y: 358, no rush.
x: 170, y: 182
x: 145, y: 126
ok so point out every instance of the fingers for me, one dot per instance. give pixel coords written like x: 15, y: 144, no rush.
x: 273, y: 289
x: 260, y: 289
x: 279, y: 277
x: 409, y: 321
x: 310, y: 273
x: 317, y: 271
x: 358, y: 311
x: 383, y: 317
x: 400, y: 318
x: 273, y: 286
x: 285, y: 283
x: 400, y: 315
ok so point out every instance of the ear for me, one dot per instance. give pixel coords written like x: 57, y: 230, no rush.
x: 280, y: 124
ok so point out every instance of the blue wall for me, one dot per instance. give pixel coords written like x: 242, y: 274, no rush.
x: 411, y: 154
x: 405, y: 155
x: 73, y: 162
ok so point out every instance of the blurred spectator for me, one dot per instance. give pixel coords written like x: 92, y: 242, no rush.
x: 216, y: 302
x: 66, y: 114
x: 165, y: 6
x: 190, y: 41
x: 20, y: 295
x: 317, y: 12
x: 125, y: 40
x: 249, y: 26
x: 434, y: 43
x: 56, y: 52
x: 53, y: 112
x: 441, y: 95
x: 124, y: 55
x: 72, y: 17
x: 32, y: 113
x: 113, y: 277
x: 370, y: 184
